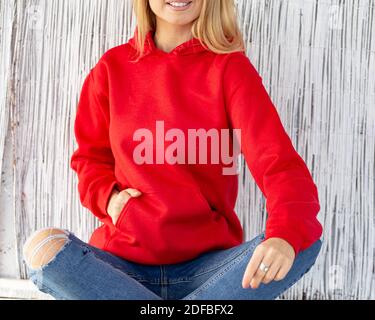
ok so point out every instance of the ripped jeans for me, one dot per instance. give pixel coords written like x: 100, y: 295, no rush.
x: 80, y: 271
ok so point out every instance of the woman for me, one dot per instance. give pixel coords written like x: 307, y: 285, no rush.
x: 169, y: 230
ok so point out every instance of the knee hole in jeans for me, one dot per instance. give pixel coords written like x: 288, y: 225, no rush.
x: 43, y: 245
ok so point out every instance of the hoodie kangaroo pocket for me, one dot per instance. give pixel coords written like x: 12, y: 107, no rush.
x: 165, y: 222
x: 123, y: 211
x: 175, y: 205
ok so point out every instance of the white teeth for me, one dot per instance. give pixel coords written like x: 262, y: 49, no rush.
x: 179, y: 4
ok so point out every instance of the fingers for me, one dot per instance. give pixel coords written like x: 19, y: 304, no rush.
x: 133, y: 192
x: 128, y: 193
x: 259, y: 274
x: 124, y: 196
x: 275, y: 254
x: 284, y: 269
x: 271, y: 273
x: 118, y: 201
x: 252, y: 266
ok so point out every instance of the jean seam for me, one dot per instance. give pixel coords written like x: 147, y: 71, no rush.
x: 230, y: 258
x: 130, y: 274
x: 133, y: 275
x: 178, y: 281
x: 218, y: 274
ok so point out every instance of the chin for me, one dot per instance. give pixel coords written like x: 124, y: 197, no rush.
x: 178, y: 21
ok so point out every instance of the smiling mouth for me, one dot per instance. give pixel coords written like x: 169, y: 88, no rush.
x: 179, y: 4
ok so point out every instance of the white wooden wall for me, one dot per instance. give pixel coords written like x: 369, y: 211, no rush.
x: 317, y: 60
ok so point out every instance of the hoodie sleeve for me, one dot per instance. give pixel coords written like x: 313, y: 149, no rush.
x: 292, y: 202
x: 93, y: 160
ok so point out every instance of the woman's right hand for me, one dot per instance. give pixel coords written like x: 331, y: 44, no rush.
x: 118, y: 201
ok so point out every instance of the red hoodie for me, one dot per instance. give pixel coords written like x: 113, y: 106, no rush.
x: 185, y: 209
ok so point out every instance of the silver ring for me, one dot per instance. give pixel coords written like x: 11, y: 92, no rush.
x: 263, y: 267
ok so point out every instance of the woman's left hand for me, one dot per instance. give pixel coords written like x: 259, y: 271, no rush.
x: 276, y: 253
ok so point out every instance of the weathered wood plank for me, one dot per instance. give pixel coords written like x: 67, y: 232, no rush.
x: 21, y: 289
x: 8, y: 245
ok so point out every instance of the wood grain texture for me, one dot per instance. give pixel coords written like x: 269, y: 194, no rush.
x: 317, y: 61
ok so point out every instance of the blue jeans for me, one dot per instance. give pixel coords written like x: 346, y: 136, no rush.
x: 80, y: 271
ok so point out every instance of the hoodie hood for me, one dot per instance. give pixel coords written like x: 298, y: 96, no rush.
x: 189, y: 47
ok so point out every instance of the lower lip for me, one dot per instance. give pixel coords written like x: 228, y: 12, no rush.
x: 180, y: 8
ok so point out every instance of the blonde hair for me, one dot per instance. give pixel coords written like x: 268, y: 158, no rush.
x: 216, y: 26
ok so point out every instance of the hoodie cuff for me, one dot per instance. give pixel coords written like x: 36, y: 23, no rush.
x: 290, y: 236
x: 296, y: 223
